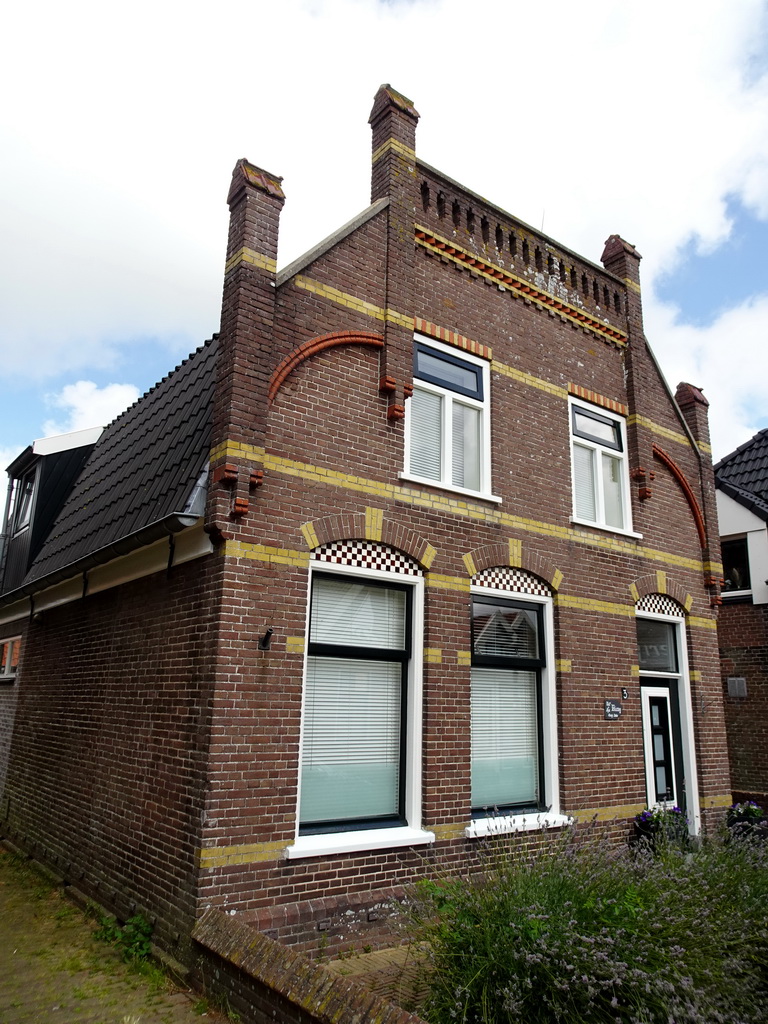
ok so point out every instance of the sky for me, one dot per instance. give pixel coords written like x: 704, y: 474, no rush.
x: 120, y: 127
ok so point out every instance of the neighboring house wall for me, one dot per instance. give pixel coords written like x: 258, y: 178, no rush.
x: 107, y: 762
x: 743, y: 631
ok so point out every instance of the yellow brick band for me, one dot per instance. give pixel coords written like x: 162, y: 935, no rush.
x: 310, y: 536
x: 469, y: 562
x: 374, y: 520
x: 695, y: 675
x: 294, y: 644
x: 515, y: 552
x: 529, y: 379
x: 440, y: 582
x: 352, y: 302
x: 441, y: 503
x: 247, y: 853
x: 688, y: 602
x: 450, y: 830
x: 699, y: 623
x: 556, y: 580
x: 264, y: 553
x: 251, y: 257
x: 433, y: 655
x: 614, y: 813
x: 715, y: 568
x: 722, y: 800
x: 464, y: 658
x: 564, y: 665
x: 588, y: 604
x: 635, y: 671
x: 395, y: 146
x: 656, y: 428
x: 661, y: 581
x: 634, y: 592
x: 632, y: 285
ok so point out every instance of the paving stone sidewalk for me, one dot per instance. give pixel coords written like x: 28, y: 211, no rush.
x: 54, y: 971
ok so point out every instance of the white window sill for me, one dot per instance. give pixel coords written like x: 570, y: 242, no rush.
x: 503, y: 824
x: 355, y: 842
x: 606, y: 529
x: 463, y: 491
x: 736, y: 595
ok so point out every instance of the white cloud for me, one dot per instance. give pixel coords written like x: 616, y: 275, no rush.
x: 87, y: 405
x: 639, y: 119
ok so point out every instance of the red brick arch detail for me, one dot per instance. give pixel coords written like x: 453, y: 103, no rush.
x: 687, y: 490
x: 491, y: 555
x: 352, y: 526
x: 314, y: 346
x: 649, y: 584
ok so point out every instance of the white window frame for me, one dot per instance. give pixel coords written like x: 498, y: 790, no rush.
x: 7, y: 673
x: 412, y: 833
x: 685, y: 707
x: 599, y: 522
x: 449, y: 397
x: 552, y: 816
x: 729, y: 595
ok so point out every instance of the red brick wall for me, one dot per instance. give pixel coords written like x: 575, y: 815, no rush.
x: 744, y: 652
x: 107, y: 761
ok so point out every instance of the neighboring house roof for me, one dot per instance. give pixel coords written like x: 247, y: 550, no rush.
x: 142, y: 472
x: 743, y: 475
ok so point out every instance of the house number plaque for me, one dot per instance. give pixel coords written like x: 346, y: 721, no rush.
x: 612, y: 710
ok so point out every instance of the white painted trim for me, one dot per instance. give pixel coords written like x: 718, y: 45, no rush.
x: 504, y: 824
x: 356, y: 842
x: 65, y: 442
x: 478, y: 495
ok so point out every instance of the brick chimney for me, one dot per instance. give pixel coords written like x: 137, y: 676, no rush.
x: 393, y: 123
x: 245, y: 344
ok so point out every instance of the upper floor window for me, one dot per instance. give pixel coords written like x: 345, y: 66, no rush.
x: 21, y: 502
x: 448, y: 423
x: 9, y: 658
x: 599, y: 462
x: 736, y: 576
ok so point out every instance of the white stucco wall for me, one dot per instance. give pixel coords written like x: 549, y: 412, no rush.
x: 737, y: 521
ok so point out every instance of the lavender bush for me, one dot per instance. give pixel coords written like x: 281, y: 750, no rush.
x: 583, y: 933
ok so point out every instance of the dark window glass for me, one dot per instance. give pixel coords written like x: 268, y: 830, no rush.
x: 736, y: 565
x: 447, y: 371
x: 657, y: 649
x: 594, y: 427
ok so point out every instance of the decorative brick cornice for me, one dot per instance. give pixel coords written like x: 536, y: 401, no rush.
x: 452, y: 338
x: 375, y: 525
x: 469, y: 261
x: 312, y: 348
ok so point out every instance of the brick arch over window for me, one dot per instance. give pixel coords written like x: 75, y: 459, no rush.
x: 373, y: 525
x: 365, y: 554
x: 660, y: 583
x: 312, y: 348
x: 516, y: 555
x: 660, y: 604
x: 502, y: 577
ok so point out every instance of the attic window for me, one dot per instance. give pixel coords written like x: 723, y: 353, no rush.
x: 21, y: 502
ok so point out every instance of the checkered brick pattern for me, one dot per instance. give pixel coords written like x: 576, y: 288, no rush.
x: 659, y: 603
x: 365, y: 555
x: 502, y: 578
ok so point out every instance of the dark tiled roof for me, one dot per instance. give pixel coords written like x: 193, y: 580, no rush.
x: 142, y: 470
x: 744, y: 474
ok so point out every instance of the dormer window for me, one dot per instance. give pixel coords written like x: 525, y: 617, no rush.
x: 21, y: 502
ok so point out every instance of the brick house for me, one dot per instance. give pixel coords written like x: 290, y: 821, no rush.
x: 742, y: 504
x: 419, y: 548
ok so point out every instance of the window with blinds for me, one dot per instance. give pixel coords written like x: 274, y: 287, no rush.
x: 600, y: 485
x: 507, y: 658
x: 353, y: 740
x: 447, y: 427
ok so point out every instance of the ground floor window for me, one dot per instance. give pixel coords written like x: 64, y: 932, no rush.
x: 355, y: 728
x: 508, y: 657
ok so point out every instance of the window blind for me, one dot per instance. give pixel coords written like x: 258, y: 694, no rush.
x: 504, y: 737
